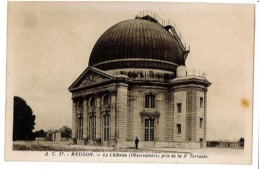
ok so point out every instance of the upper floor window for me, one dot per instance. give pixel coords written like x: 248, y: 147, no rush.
x: 93, y: 102
x: 201, y: 102
x: 179, y: 107
x: 150, y: 101
x: 107, y: 100
x: 80, y: 106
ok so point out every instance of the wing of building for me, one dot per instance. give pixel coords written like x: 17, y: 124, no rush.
x: 137, y: 85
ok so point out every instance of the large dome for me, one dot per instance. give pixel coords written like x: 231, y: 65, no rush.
x: 138, y: 43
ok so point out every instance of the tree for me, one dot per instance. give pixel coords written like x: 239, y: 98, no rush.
x: 23, y: 120
x: 40, y: 133
x: 65, y: 131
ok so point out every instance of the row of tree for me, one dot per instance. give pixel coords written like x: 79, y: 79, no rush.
x: 24, y: 121
x: 65, y: 132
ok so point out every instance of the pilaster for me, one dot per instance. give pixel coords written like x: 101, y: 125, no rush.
x: 113, y: 116
x: 169, y: 115
x: 191, y: 115
x: 121, y: 111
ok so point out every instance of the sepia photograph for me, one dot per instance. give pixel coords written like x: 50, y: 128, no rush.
x: 131, y: 82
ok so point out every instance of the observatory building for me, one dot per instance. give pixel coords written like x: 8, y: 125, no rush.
x: 137, y: 85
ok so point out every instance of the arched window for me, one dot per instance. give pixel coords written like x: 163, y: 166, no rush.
x: 80, y: 106
x: 93, y: 103
x: 107, y: 100
x: 150, y: 101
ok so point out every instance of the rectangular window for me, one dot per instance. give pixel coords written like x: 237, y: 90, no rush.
x: 146, y: 123
x: 179, y: 108
x: 147, y: 101
x: 92, y: 123
x: 150, y: 101
x: 201, y: 102
x: 178, y: 128
x: 201, y: 122
x: 152, y: 97
x: 151, y: 134
x: 146, y: 134
x: 80, y: 128
x: 152, y: 123
x: 106, y: 119
x: 149, y: 130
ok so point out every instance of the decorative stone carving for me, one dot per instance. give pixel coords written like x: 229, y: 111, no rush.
x: 91, y: 113
x: 92, y: 78
x: 154, y: 115
x: 150, y: 114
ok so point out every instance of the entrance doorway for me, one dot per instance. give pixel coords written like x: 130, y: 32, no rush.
x: 149, y: 133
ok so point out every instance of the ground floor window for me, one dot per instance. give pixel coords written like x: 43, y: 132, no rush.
x: 149, y: 130
x: 80, y: 127
x: 179, y: 107
x: 106, y: 124
x: 92, y: 126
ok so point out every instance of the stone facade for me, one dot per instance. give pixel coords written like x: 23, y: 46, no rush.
x: 115, y: 111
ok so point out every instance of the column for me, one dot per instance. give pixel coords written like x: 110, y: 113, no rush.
x: 74, y: 118
x: 85, y: 119
x: 98, y: 119
x: 121, y: 111
x: 191, y: 120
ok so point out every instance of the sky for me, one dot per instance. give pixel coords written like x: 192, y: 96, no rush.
x: 49, y: 44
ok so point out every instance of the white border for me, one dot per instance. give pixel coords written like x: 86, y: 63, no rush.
x: 39, y: 165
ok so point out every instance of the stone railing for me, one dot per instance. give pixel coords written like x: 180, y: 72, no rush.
x: 165, y: 23
x: 194, y: 72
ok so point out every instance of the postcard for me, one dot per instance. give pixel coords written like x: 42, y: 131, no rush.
x: 150, y: 82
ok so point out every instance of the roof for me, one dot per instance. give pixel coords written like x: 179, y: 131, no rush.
x: 138, y: 43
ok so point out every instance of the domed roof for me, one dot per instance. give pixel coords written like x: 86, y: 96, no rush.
x: 138, y: 43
